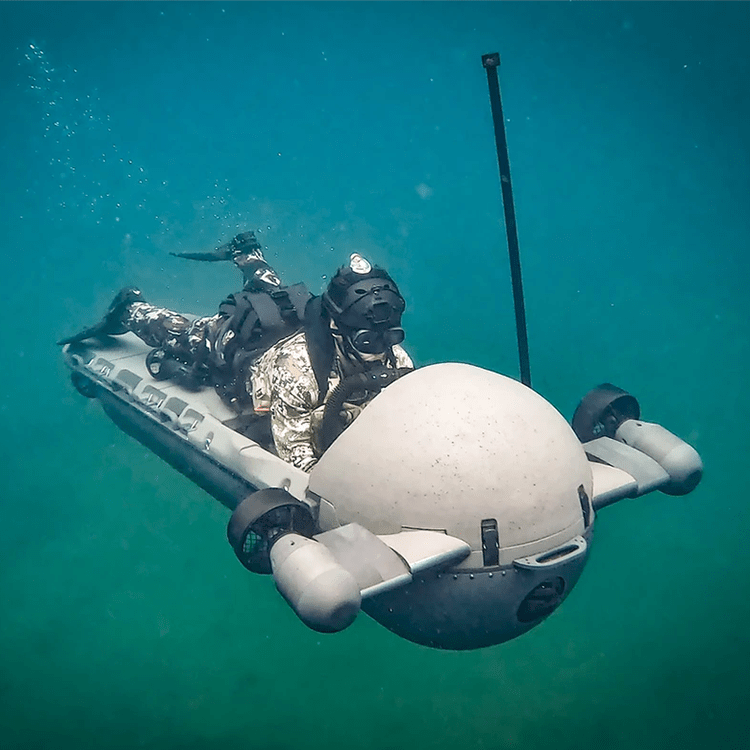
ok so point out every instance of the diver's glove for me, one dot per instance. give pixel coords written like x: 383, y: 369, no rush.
x: 112, y: 324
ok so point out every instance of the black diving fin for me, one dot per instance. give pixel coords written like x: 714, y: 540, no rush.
x: 246, y: 253
x: 243, y: 243
x: 111, y: 324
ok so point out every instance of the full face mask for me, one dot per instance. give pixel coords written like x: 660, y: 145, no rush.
x: 366, y: 306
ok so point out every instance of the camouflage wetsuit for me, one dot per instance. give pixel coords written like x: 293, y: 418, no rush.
x: 282, y: 380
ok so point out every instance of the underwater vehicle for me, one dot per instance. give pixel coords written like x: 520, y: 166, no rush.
x: 457, y: 510
x: 457, y: 527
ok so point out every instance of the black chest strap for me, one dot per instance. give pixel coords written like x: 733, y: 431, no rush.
x: 320, y: 346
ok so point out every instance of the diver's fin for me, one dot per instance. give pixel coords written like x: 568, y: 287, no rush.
x: 111, y: 324
x: 243, y: 243
x: 218, y: 254
x: 93, y: 332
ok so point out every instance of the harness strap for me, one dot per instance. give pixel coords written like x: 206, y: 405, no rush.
x: 299, y: 297
x: 320, y: 345
x: 257, y: 321
x: 267, y: 308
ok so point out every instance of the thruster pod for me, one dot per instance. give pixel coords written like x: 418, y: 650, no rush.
x: 608, y: 423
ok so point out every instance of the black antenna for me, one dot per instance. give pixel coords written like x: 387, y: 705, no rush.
x: 491, y: 63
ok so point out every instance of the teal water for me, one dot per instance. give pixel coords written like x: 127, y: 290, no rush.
x: 131, y: 130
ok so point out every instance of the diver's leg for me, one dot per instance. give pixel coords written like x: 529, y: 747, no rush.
x: 165, y: 329
x: 157, y: 326
x: 258, y: 275
x: 182, y: 337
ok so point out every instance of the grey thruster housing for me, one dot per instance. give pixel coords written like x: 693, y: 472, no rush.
x: 457, y: 510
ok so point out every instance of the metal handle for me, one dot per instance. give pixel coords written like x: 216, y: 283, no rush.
x: 554, y: 557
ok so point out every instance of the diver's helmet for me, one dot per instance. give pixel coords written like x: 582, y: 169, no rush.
x: 365, y: 306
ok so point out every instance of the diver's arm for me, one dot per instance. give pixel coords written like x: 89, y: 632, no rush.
x: 294, y: 400
x: 293, y: 434
x: 402, y: 358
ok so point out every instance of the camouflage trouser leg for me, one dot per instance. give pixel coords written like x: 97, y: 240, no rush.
x: 164, y: 329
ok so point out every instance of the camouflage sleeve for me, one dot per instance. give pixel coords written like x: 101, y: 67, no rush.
x: 283, y: 382
x: 402, y: 358
x: 296, y: 397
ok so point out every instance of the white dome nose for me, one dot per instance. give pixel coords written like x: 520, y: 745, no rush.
x: 455, y: 448
x: 451, y: 445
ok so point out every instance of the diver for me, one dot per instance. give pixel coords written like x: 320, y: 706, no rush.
x: 350, y: 333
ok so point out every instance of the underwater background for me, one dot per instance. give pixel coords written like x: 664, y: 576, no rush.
x: 130, y: 130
